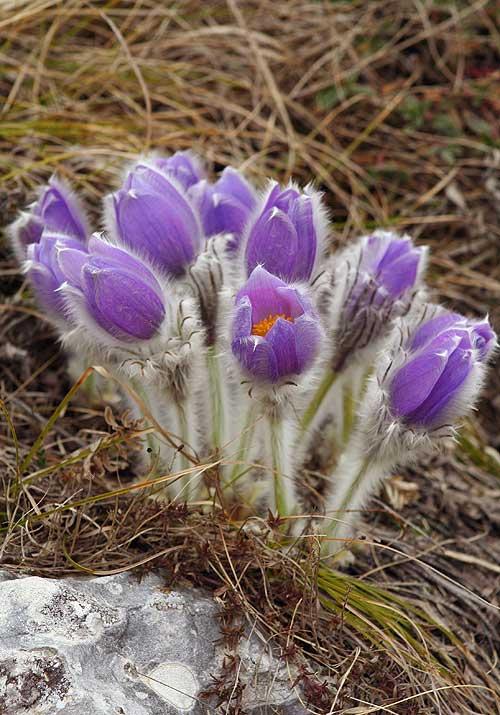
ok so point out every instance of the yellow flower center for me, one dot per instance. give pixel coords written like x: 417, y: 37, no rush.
x: 264, y: 326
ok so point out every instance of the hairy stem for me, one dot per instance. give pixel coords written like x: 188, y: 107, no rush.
x: 282, y: 495
x: 348, y: 404
x: 356, y: 480
x: 245, y: 439
x: 216, y: 401
x: 317, y: 399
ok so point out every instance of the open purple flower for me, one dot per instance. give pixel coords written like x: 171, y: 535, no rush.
x: 57, y: 210
x: 45, y: 274
x: 275, y: 332
x: 184, y: 166
x: 378, y: 278
x: 225, y: 206
x: 152, y: 215
x: 110, y: 288
x: 286, y: 235
x: 442, y: 372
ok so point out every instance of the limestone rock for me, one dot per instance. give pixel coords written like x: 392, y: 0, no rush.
x: 117, y: 646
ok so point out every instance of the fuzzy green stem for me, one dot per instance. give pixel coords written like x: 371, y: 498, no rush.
x: 317, y: 399
x: 216, y: 401
x: 349, y: 497
x: 239, y: 468
x: 348, y: 403
x: 142, y: 393
x: 183, y: 434
x: 282, y: 493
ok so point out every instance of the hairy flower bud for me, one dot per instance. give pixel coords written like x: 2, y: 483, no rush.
x: 275, y: 332
x: 373, y: 283
x: 442, y: 371
x: 427, y: 379
x: 225, y: 206
x: 112, y: 291
x: 152, y: 215
x: 58, y: 210
x: 184, y: 166
x: 286, y: 235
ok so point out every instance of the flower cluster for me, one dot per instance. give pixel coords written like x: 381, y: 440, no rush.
x: 217, y: 302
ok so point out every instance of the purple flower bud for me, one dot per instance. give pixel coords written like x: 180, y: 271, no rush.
x: 113, y: 289
x: 275, y: 333
x: 286, y: 235
x: 58, y: 210
x: 442, y: 371
x: 376, y: 281
x: 184, y: 166
x: 225, y: 206
x: 152, y: 215
x: 44, y: 272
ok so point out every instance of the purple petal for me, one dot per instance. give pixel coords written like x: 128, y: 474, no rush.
x: 388, y: 249
x: 413, y: 383
x: 124, y: 306
x: 220, y: 213
x: 272, y: 243
x: 256, y: 357
x: 273, y: 193
x: 458, y: 367
x: 184, y: 166
x: 281, y: 338
x: 27, y: 229
x: 307, y: 341
x: 234, y: 184
x: 432, y: 328
x: 124, y: 261
x: 60, y: 211
x: 287, y: 199
x: 71, y: 262
x: 400, y: 275
x: 261, y: 289
x: 242, y: 324
x: 159, y: 228
x: 301, y: 215
x: 294, y: 302
x: 484, y: 338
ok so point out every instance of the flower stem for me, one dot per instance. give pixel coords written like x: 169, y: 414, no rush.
x: 317, y: 399
x: 183, y: 489
x: 151, y: 441
x: 356, y: 479
x: 349, y: 404
x: 282, y: 494
x: 245, y: 439
x: 216, y: 401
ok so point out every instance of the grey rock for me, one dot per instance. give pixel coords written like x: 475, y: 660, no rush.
x: 118, y: 646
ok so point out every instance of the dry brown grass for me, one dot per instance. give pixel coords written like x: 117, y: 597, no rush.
x: 392, y: 107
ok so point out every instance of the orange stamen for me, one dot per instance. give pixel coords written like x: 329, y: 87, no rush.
x: 264, y: 326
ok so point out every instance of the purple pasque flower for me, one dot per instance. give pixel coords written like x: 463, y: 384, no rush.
x: 225, y: 206
x: 286, y: 234
x: 376, y: 281
x: 441, y: 375
x: 184, y: 166
x: 152, y: 215
x: 58, y: 210
x: 112, y: 290
x: 45, y: 274
x: 275, y: 332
